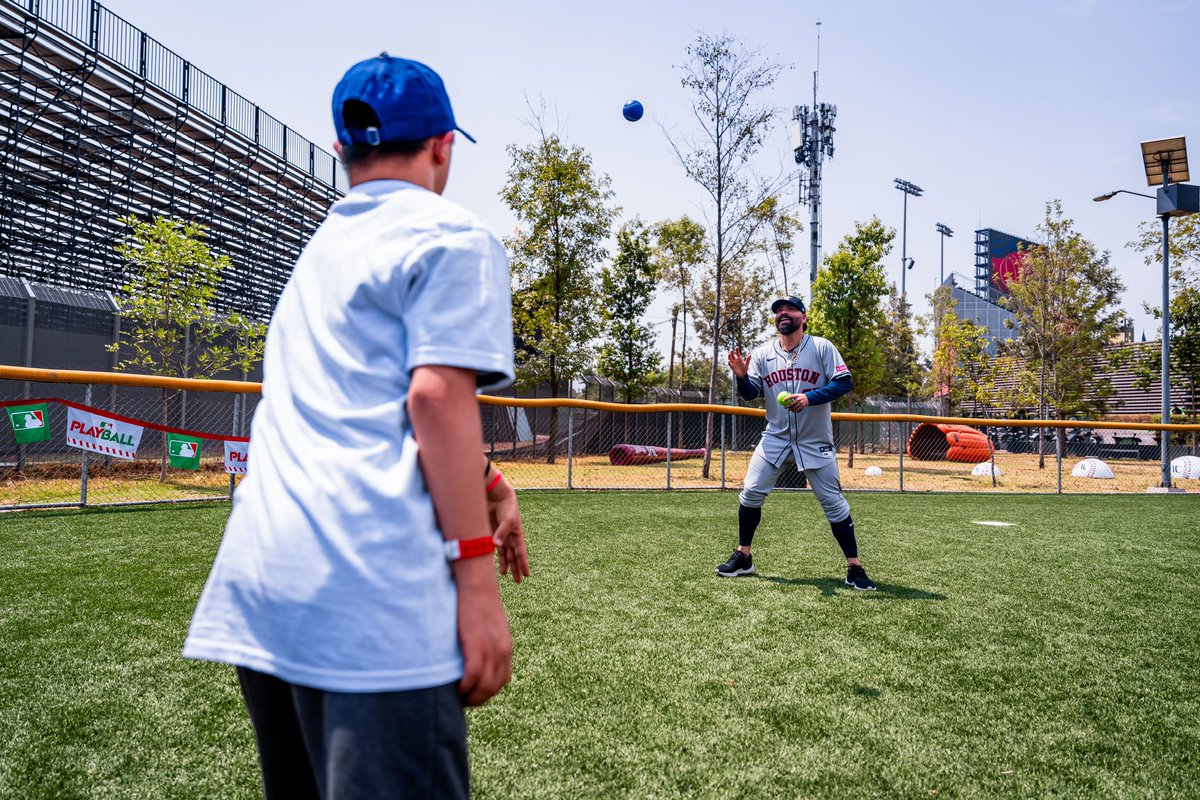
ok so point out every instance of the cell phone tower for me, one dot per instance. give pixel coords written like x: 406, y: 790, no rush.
x: 812, y: 141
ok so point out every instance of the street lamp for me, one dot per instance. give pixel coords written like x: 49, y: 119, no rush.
x: 1100, y: 198
x: 946, y: 233
x: 1165, y: 161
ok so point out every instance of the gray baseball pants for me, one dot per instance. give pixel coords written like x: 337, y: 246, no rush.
x: 825, y: 481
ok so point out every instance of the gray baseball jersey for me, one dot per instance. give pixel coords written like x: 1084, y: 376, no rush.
x: 807, y: 435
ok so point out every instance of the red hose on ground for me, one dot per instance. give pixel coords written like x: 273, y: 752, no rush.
x: 622, y: 455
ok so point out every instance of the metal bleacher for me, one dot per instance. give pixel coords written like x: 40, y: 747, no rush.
x: 102, y: 121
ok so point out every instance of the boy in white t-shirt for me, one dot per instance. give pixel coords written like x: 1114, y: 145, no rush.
x: 347, y: 590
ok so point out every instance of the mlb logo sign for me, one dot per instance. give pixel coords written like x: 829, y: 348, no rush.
x: 183, y: 451
x: 30, y: 423
x: 29, y: 420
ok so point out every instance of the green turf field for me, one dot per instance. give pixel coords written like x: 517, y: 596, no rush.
x: 1059, y: 656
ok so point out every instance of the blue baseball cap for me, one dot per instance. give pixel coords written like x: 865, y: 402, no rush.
x: 793, y: 300
x: 408, y: 97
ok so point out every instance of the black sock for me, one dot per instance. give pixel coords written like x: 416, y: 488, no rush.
x: 844, y: 533
x: 748, y: 519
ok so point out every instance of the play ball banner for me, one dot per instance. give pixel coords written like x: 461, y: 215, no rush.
x: 101, y: 434
x: 29, y: 423
x: 183, y: 452
x: 236, y: 457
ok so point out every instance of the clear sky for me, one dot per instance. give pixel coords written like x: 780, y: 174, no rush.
x: 993, y: 108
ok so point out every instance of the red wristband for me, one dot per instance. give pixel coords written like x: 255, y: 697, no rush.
x: 495, y: 480
x: 457, y: 549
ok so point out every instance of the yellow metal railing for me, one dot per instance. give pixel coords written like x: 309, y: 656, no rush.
x: 693, y: 445
x: 249, y: 387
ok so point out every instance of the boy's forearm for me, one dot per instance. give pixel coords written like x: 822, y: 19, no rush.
x: 445, y: 418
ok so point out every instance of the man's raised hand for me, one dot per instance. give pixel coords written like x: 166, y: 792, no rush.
x: 737, y: 363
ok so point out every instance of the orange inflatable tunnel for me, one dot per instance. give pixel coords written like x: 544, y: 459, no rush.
x: 932, y: 441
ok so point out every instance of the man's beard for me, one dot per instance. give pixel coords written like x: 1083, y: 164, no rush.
x: 786, y: 325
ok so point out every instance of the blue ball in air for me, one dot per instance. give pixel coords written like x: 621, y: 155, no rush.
x: 632, y: 111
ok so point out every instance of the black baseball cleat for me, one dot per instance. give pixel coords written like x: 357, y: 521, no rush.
x: 856, y: 576
x: 738, y: 564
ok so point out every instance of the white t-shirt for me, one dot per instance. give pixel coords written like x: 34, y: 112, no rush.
x: 331, y: 573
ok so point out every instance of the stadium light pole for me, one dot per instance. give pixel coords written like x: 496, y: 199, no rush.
x: 946, y: 233
x: 905, y: 262
x: 1165, y: 160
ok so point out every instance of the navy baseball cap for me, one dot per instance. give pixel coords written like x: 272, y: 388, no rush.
x: 408, y: 97
x: 796, y: 301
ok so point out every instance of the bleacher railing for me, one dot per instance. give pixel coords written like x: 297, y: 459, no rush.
x: 110, y: 36
x: 563, y: 443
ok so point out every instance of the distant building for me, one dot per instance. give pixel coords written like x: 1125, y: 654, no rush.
x: 972, y: 306
x: 1124, y: 334
x: 998, y: 259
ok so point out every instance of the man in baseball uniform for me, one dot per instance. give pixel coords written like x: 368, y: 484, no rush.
x: 799, y: 375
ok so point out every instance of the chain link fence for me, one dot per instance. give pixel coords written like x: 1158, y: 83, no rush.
x: 572, y: 442
x: 584, y: 444
x: 146, y: 444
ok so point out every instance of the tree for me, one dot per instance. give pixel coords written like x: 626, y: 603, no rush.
x: 778, y: 240
x: 962, y: 371
x: 960, y: 354
x: 628, y: 356
x: 845, y: 305
x: 679, y: 250
x: 1065, y: 310
x: 1184, y: 244
x: 726, y: 81
x: 903, y: 373
x: 745, y: 320
x: 564, y: 213
x: 745, y: 306
x: 169, y: 326
x: 942, y: 375
x: 696, y: 361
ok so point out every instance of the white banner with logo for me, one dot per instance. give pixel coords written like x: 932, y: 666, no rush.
x: 236, y: 457
x: 101, y: 434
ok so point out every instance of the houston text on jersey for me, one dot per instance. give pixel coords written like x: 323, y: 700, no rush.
x: 791, y: 374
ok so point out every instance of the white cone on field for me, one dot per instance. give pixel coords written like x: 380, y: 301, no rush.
x: 873, y: 472
x: 984, y: 469
x: 1092, y: 468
